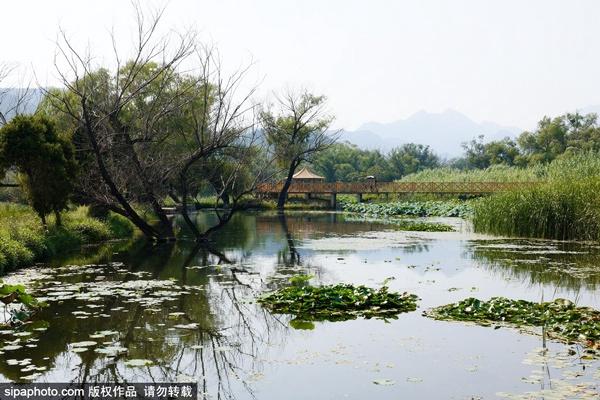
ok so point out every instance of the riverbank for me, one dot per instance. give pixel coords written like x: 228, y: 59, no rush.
x: 23, y: 240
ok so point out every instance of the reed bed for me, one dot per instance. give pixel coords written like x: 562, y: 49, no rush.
x: 566, y: 206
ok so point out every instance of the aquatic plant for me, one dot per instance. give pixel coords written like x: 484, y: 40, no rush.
x: 403, y: 224
x: 338, y: 302
x: 561, y: 209
x: 432, y: 208
x: 10, y: 294
x: 562, y: 319
x: 565, y: 206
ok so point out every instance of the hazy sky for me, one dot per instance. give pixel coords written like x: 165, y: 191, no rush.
x: 507, y: 61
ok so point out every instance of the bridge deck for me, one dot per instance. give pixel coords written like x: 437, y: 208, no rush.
x: 394, y: 187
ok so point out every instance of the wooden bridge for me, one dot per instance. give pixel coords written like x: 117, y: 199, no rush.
x: 372, y: 187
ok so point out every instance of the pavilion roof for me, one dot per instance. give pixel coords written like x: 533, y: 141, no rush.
x: 305, y: 173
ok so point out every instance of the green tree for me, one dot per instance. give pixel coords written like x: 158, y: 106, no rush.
x: 546, y: 143
x: 44, y: 161
x: 475, y: 155
x: 410, y: 158
x: 296, y: 133
x: 503, y: 152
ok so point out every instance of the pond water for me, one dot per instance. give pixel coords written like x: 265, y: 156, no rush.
x: 130, y: 312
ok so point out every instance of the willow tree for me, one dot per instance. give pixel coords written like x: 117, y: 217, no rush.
x: 297, y: 129
x: 145, y: 121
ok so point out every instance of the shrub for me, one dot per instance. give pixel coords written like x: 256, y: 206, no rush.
x: 119, y: 226
x: 89, y: 230
x: 23, y: 240
x: 14, y: 254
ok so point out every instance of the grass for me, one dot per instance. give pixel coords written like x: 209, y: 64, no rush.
x: 561, y: 318
x: 565, y: 207
x: 24, y: 241
x: 295, y: 202
x: 496, y: 173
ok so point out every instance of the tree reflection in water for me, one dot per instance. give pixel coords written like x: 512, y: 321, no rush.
x: 566, y: 265
x: 231, y: 334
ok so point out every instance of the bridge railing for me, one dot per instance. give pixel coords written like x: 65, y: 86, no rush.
x: 395, y: 187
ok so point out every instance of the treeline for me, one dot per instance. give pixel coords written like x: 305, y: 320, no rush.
x: 345, y: 162
x: 554, y: 138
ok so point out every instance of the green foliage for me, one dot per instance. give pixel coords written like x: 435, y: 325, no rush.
x: 11, y: 293
x: 300, y: 280
x: 45, y: 161
x: 296, y: 132
x: 495, y: 173
x: 345, y: 162
x: 557, y: 210
x: 14, y: 253
x: 338, y: 302
x: 554, y: 137
x: 452, y: 208
x: 404, y: 224
x: 565, y: 207
x: 562, y: 319
x: 23, y: 241
x: 411, y: 158
x: 118, y: 226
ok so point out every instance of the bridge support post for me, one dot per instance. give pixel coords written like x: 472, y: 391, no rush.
x: 333, y: 200
x: 359, y: 197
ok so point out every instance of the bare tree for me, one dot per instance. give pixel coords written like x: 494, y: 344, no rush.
x: 119, y: 115
x: 221, y: 144
x: 147, y: 127
x: 296, y: 131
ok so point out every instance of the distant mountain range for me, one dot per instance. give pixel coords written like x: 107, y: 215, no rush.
x: 443, y: 132
x: 9, y: 97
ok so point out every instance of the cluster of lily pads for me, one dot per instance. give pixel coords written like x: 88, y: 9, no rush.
x: 404, y: 224
x: 562, y: 319
x: 430, y: 208
x: 338, y: 302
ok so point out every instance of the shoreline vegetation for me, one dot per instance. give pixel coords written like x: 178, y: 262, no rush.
x: 24, y: 241
x: 565, y: 207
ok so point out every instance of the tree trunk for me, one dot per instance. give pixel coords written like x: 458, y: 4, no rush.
x: 132, y: 215
x: 167, y: 227
x: 286, y: 185
x: 58, y: 218
x: 184, y: 206
x: 43, y: 218
x: 225, y: 198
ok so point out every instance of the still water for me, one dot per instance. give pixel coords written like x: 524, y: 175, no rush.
x: 130, y: 312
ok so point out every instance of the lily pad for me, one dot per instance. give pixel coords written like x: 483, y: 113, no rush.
x: 562, y: 319
x: 187, y: 326
x: 84, y: 344
x: 338, y: 302
x: 138, y: 363
x: 384, y: 382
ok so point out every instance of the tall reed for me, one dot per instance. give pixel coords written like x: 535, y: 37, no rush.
x: 565, y: 206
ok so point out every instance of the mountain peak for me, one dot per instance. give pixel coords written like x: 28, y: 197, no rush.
x: 443, y: 132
